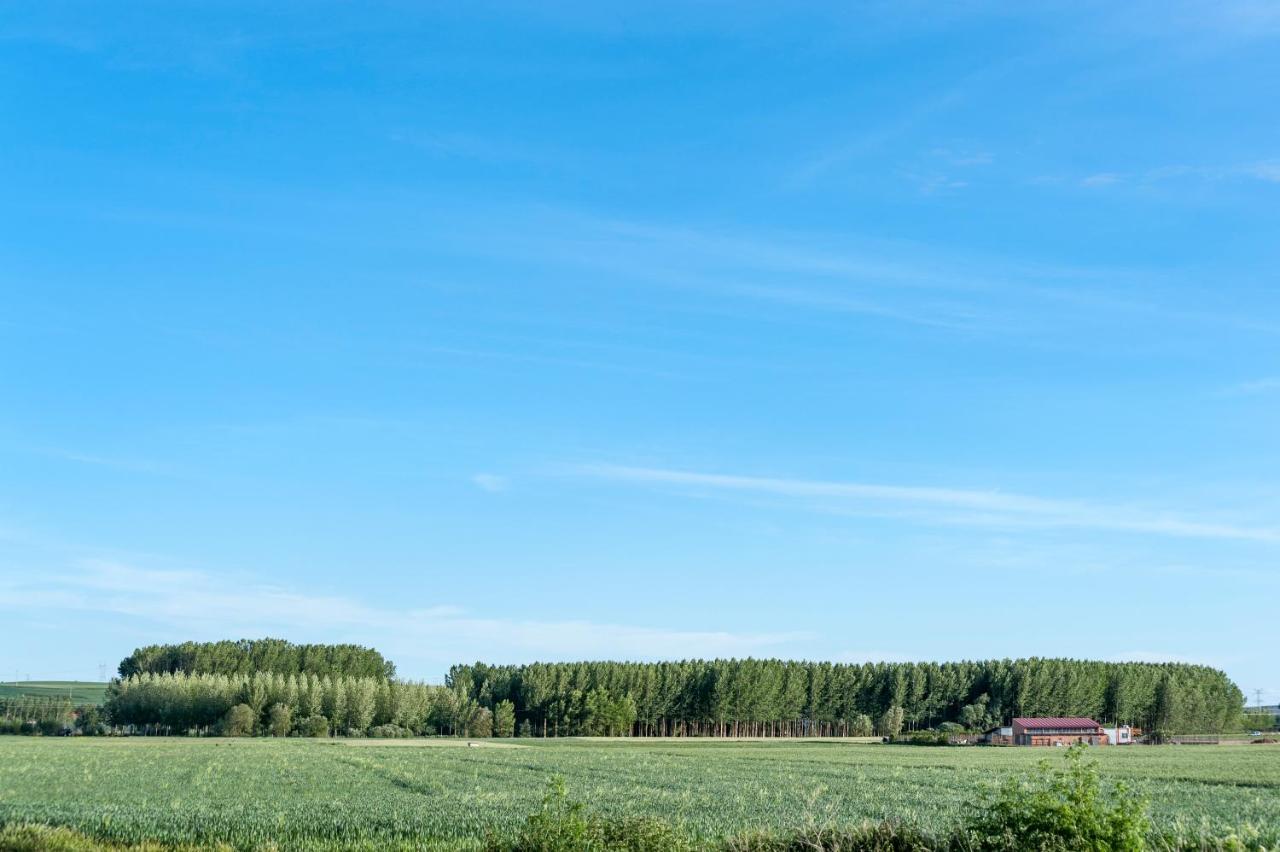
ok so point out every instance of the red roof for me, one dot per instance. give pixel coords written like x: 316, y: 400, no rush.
x: 1057, y: 722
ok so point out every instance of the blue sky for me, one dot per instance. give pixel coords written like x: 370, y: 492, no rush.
x: 547, y: 331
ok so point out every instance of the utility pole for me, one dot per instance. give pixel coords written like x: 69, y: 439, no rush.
x: 102, y: 671
x: 1257, y: 697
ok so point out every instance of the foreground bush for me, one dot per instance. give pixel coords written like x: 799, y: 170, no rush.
x: 872, y: 837
x: 566, y: 826
x: 1062, y: 809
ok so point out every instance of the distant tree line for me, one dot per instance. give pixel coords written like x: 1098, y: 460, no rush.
x: 267, y: 703
x: 790, y: 698
x: 49, y: 716
x: 247, y: 656
x: 271, y: 686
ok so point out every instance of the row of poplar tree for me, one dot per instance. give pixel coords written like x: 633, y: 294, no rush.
x: 313, y: 705
x: 799, y: 698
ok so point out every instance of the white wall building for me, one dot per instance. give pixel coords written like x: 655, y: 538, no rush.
x: 1121, y: 735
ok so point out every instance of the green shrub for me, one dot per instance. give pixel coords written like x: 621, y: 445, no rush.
x: 890, y: 724
x: 1061, y: 810
x: 239, y: 721
x: 280, y: 720
x: 89, y: 721
x: 389, y: 732
x: 562, y: 825
x: 481, y: 724
x: 870, y: 837
x: 313, y: 726
x: 53, y: 727
x: 926, y: 738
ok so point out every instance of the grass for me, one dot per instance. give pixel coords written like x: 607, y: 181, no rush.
x: 441, y: 794
x: 80, y: 691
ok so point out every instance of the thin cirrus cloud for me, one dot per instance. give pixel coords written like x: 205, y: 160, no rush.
x: 813, y: 275
x: 1267, y: 171
x: 951, y: 506
x: 490, y: 482
x: 184, y: 604
x: 1270, y: 384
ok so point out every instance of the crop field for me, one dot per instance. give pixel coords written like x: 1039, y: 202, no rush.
x: 442, y: 794
x: 79, y: 692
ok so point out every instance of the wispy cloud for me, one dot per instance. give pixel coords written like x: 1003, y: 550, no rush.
x: 490, y: 482
x: 964, y: 158
x: 135, y: 465
x: 903, y: 282
x: 1248, y: 19
x: 840, y: 153
x: 1267, y: 171
x: 201, y: 604
x: 1269, y: 384
x: 928, y: 184
x: 821, y: 276
x: 952, y: 506
x: 471, y: 146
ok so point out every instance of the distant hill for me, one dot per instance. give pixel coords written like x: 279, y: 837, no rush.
x: 80, y: 691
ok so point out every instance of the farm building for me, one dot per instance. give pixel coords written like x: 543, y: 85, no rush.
x: 1119, y: 735
x: 999, y: 736
x: 1057, y: 731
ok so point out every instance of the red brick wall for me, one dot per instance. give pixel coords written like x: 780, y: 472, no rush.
x: 1067, y: 740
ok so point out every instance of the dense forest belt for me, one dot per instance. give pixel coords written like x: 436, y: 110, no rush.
x: 338, y: 794
x: 718, y: 698
x: 779, y: 698
x: 246, y: 656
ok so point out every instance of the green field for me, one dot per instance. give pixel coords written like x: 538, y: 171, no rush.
x: 79, y: 691
x: 318, y: 794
